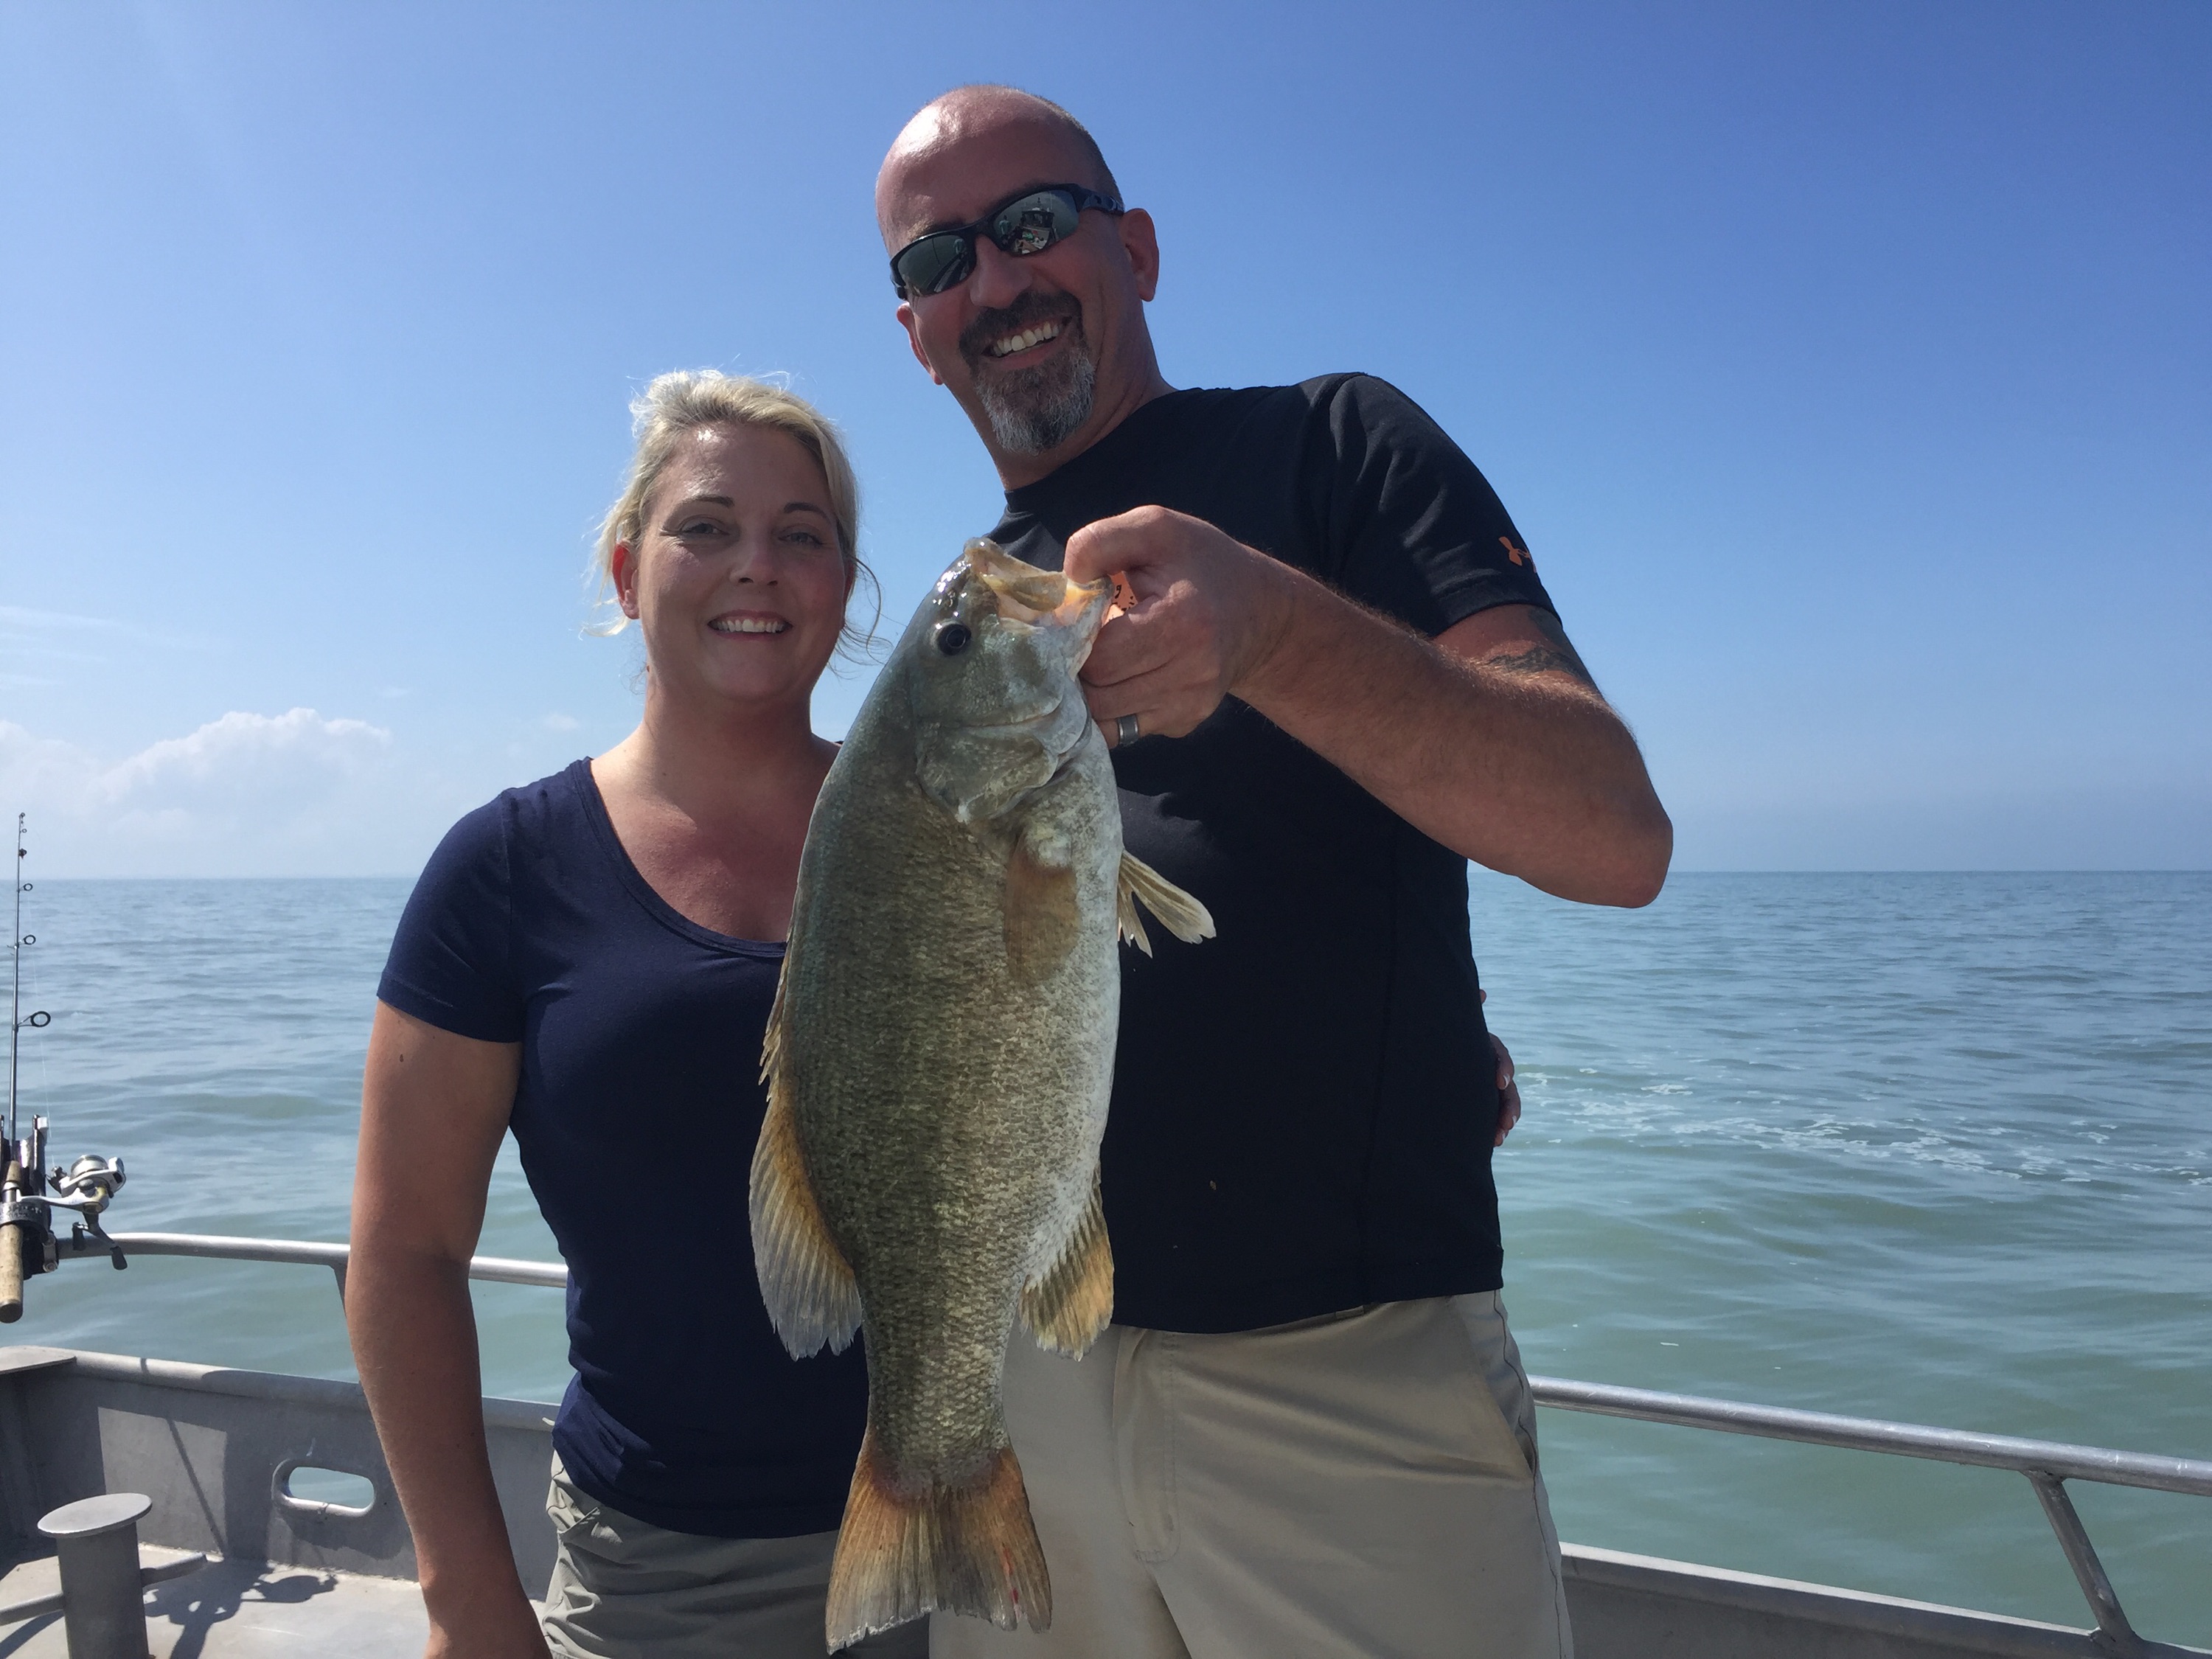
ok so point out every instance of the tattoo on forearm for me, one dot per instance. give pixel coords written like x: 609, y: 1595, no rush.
x: 1557, y: 653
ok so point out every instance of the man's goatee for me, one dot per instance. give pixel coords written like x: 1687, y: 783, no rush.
x: 1034, y: 409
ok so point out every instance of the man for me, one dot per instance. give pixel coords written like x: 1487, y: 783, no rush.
x: 1337, y: 678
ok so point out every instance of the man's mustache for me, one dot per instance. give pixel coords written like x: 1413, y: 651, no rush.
x: 988, y: 327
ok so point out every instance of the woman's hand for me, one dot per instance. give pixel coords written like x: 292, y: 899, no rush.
x: 1508, y: 1091
x: 518, y: 1637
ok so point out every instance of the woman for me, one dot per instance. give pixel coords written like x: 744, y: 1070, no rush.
x: 589, y: 961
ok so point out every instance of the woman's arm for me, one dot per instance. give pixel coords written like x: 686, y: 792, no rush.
x: 433, y: 1108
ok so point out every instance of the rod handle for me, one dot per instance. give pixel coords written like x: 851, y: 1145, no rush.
x: 11, y: 1256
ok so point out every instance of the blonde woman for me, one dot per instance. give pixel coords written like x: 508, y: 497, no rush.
x: 589, y: 961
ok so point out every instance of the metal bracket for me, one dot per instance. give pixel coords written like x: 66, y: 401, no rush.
x: 2114, y: 1634
x: 89, y: 1228
x: 24, y: 1212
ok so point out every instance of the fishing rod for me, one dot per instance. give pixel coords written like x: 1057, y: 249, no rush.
x: 29, y: 1193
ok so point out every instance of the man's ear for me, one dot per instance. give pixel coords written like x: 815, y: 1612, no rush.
x: 914, y: 340
x: 1141, y: 240
x: 623, y: 567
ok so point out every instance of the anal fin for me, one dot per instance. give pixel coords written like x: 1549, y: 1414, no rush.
x: 1184, y: 916
x: 1070, y: 1302
x: 805, y: 1278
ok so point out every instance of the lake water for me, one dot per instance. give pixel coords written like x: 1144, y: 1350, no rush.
x: 1928, y: 1147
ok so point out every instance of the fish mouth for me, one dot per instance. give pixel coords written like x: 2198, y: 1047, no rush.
x: 1039, y: 598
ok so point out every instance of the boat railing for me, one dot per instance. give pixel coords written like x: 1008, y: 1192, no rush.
x: 2046, y: 1464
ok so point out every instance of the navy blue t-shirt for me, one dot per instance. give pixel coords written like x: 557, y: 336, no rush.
x: 640, y: 1035
x: 1303, y: 1105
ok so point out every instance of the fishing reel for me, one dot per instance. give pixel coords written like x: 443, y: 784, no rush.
x: 29, y: 1195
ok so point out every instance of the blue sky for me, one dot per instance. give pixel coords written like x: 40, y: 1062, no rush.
x: 1847, y: 367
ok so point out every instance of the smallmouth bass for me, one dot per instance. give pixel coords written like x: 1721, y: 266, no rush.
x: 939, y: 1065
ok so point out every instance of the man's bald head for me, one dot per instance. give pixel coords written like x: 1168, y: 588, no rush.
x: 987, y: 113
x: 1044, y: 344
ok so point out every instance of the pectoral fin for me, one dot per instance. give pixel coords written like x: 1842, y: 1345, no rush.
x: 1185, y: 917
x: 1043, y: 919
x: 805, y: 1279
x: 1068, y: 1304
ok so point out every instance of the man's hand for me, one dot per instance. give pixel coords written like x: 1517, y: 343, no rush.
x: 1200, y: 612
x: 1508, y: 1091
x: 1489, y: 738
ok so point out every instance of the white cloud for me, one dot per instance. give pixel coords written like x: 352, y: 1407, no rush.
x: 21, y: 618
x: 558, y: 722
x: 247, y: 794
x: 64, y: 635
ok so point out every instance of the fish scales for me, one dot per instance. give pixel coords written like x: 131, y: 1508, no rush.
x: 939, y: 1063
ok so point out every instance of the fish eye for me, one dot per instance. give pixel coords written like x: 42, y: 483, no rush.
x: 953, y: 638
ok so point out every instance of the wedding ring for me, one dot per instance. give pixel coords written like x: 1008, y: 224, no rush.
x: 1126, y: 731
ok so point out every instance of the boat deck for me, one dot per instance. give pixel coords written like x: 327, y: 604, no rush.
x: 215, y: 1449
x: 244, y: 1610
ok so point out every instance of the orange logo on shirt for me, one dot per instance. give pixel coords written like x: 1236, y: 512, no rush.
x: 1518, y: 555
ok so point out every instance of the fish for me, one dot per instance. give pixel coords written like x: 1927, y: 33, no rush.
x: 938, y: 1061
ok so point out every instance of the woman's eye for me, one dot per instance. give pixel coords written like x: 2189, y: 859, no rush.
x: 697, y: 527
x: 804, y: 537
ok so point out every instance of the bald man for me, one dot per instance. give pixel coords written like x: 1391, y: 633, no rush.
x: 1336, y: 679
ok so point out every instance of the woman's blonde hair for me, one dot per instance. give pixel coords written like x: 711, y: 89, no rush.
x: 689, y: 400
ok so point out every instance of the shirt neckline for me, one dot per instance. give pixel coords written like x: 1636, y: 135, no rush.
x: 1072, y: 470
x: 587, y: 788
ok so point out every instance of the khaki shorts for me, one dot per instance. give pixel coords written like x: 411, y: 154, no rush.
x: 1363, y: 1485
x: 624, y: 1588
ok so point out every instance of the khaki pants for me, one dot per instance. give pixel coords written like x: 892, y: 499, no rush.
x: 624, y: 1588
x: 1362, y: 1485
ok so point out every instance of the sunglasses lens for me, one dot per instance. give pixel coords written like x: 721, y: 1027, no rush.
x: 935, y: 263
x: 1034, y: 223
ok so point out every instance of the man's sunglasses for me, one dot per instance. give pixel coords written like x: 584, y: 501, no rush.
x: 1029, y: 223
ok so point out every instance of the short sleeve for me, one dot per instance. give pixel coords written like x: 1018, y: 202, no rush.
x: 1410, y: 524
x: 451, y: 964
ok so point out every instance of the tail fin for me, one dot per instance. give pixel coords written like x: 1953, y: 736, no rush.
x: 969, y: 1549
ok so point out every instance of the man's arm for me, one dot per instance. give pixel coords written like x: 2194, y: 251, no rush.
x: 1491, y: 738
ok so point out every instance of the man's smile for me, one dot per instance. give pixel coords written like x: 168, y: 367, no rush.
x: 1022, y: 340
x: 1030, y: 324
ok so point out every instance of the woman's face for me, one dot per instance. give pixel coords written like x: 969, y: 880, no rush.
x: 736, y: 577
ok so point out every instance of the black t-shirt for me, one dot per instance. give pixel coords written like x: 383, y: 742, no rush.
x: 1303, y: 1105
x: 640, y: 1035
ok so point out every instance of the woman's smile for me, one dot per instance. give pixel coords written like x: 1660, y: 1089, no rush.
x: 749, y: 622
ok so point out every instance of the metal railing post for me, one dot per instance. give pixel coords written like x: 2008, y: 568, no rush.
x: 2089, y: 1572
